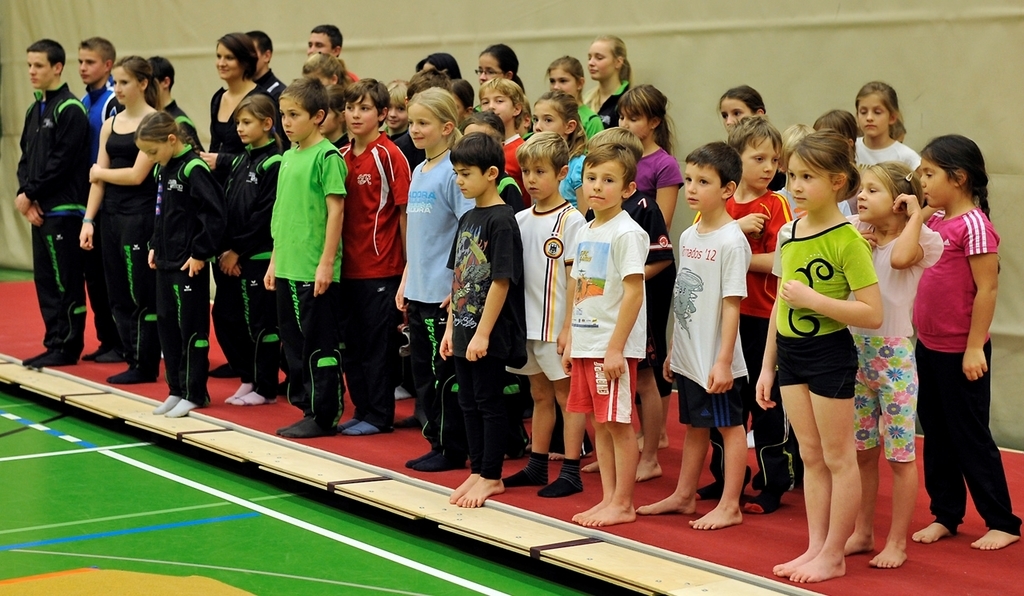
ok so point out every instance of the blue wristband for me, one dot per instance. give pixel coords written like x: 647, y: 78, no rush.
x: 86, y: 220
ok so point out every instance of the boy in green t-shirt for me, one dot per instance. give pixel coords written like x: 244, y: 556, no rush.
x: 306, y: 227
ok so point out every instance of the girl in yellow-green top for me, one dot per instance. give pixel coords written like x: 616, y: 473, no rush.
x: 821, y: 258
x: 610, y: 68
x: 566, y: 75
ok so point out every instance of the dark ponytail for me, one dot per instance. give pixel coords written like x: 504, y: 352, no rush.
x: 507, y: 61
x: 141, y: 70
x: 158, y: 126
x: 961, y: 157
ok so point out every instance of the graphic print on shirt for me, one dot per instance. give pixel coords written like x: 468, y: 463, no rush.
x: 816, y: 269
x: 684, y: 303
x: 592, y: 264
x: 421, y: 201
x: 472, y: 278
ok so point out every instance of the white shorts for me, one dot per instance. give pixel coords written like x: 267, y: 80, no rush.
x: 542, y: 357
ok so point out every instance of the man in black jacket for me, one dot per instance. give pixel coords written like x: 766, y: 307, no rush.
x: 53, y: 176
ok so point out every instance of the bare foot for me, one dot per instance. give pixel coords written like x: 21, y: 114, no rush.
x: 787, y: 569
x: 480, y: 492
x: 994, y: 540
x: 819, y: 569
x: 581, y: 518
x: 556, y: 456
x: 610, y: 516
x: 932, y: 533
x: 591, y: 468
x: 720, y: 517
x: 647, y: 470
x: 891, y: 557
x: 672, y: 504
x: 859, y: 543
x: 463, y: 488
x: 663, y: 441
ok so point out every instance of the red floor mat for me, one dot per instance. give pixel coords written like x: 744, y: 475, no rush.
x: 948, y: 567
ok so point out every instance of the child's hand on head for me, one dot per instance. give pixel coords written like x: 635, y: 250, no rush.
x: 798, y: 295
x: 907, y: 204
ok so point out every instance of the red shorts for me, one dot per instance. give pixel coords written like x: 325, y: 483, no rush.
x: 590, y: 392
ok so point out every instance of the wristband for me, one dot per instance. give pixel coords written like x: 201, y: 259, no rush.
x: 86, y: 220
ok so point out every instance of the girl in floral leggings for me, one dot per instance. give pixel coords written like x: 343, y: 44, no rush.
x: 890, y: 217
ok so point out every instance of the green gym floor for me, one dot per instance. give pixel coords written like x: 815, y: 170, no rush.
x: 134, y: 506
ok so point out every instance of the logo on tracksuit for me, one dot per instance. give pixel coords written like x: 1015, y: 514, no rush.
x: 174, y: 185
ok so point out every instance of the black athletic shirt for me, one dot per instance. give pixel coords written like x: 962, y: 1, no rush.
x: 224, y: 139
x: 126, y: 200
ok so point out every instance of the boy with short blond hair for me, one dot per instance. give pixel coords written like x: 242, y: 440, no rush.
x: 507, y: 99
x: 486, y: 324
x: 608, y: 329
x: 305, y: 266
x: 373, y: 248
x: 549, y: 230
x: 707, y: 360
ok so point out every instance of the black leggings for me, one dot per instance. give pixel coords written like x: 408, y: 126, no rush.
x: 183, y: 321
x: 131, y: 288
x: 481, y: 396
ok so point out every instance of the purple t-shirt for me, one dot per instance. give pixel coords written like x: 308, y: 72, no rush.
x: 657, y: 170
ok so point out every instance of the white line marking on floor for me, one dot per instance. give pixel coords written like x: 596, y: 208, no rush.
x: 70, y: 439
x: 219, y: 568
x: 12, y: 406
x: 39, y: 427
x: 10, y: 416
x: 139, y: 514
x: 72, y: 451
x: 368, y: 548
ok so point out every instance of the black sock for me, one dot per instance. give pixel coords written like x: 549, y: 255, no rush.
x: 567, y: 483
x: 534, y: 474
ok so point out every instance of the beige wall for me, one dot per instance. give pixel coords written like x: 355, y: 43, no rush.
x: 804, y: 56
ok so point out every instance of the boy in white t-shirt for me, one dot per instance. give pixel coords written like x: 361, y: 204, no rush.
x: 707, y: 359
x: 549, y: 230
x: 609, y: 331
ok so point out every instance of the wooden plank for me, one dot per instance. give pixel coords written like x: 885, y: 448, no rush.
x: 298, y: 465
x: 403, y: 499
x: 726, y: 587
x: 630, y: 569
x: 169, y: 427
x: 42, y: 383
x: 501, y: 529
x: 109, y: 405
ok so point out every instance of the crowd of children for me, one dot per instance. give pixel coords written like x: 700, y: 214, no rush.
x: 527, y: 246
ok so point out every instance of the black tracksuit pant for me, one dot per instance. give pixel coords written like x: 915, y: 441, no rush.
x: 183, y: 321
x: 371, y: 347
x: 775, y: 447
x: 95, y: 282
x: 229, y: 324
x: 259, y: 307
x: 57, y: 266
x: 131, y: 288
x: 309, y: 332
x: 958, y: 445
x: 434, y: 378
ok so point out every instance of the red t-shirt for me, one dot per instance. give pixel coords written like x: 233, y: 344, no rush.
x: 377, y: 184
x: 512, y: 167
x: 761, y: 287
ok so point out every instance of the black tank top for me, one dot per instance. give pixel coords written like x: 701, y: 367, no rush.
x: 127, y: 200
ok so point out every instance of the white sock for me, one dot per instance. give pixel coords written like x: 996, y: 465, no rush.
x: 251, y: 399
x: 183, y: 408
x: 169, y: 403
x: 243, y: 389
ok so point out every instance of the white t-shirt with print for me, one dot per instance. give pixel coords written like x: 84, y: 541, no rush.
x: 712, y: 267
x: 895, y: 152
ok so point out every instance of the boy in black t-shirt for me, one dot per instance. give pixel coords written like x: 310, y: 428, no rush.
x: 486, y: 324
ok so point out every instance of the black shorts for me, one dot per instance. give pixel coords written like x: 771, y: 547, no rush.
x: 827, y: 364
x: 701, y: 409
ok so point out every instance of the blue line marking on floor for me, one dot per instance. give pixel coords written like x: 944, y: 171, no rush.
x: 184, y: 524
x: 47, y: 430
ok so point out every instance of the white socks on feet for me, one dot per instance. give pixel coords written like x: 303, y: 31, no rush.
x: 182, y: 408
x: 243, y: 389
x: 167, y: 406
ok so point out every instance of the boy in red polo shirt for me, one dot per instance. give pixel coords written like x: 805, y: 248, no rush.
x: 373, y: 258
